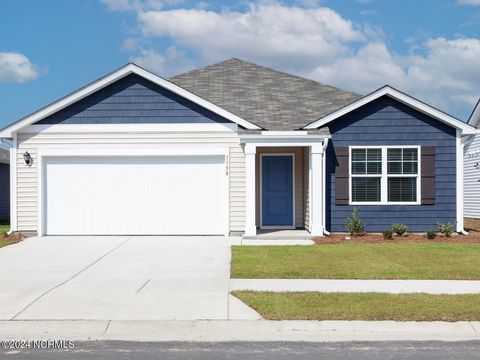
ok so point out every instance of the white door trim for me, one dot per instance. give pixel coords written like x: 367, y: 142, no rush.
x: 261, y: 191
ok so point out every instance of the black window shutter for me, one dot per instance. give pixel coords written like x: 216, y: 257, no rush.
x: 341, y: 176
x: 428, y: 175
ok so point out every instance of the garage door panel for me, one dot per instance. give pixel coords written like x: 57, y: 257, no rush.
x: 131, y: 195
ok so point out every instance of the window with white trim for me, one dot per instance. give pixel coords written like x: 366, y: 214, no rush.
x: 384, y: 175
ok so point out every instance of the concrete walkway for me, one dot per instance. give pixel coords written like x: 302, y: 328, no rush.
x: 384, y: 286
x: 242, y: 330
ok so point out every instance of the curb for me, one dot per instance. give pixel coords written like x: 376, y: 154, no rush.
x: 239, y: 330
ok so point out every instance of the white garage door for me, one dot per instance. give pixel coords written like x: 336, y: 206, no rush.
x: 135, y: 195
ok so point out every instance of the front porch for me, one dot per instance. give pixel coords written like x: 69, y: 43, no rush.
x: 295, y: 234
x: 284, y: 185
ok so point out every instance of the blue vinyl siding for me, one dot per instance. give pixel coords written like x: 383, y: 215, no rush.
x: 4, y: 191
x: 133, y: 100
x: 388, y: 122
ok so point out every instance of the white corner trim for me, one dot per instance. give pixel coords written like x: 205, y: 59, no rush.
x: 459, y: 160
x: 403, y: 98
x: 128, y: 128
x: 316, y: 182
x: 250, y: 198
x: 13, y: 185
x: 324, y: 188
x: 111, y: 78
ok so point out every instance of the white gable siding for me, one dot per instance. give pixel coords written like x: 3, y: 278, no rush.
x: 472, y: 179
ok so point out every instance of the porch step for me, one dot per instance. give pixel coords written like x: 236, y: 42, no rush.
x: 279, y: 237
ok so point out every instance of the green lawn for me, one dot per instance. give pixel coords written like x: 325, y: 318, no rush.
x: 358, y: 261
x: 4, y: 228
x: 363, y: 306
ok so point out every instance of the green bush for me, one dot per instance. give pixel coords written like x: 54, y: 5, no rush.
x: 387, y: 235
x: 431, y: 234
x: 399, y: 229
x: 446, y: 229
x: 354, y: 225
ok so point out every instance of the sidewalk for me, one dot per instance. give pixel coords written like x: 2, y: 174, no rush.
x: 384, y: 286
x: 240, y: 330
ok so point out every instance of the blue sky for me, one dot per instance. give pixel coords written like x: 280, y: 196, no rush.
x: 428, y: 48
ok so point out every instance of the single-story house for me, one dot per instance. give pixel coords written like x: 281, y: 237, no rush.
x: 229, y: 149
x: 4, y: 183
x: 472, y: 168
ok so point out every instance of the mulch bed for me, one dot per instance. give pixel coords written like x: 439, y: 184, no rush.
x: 338, y: 238
x: 15, y: 237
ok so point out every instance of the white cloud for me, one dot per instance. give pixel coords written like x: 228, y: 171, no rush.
x: 171, y: 62
x: 448, y: 75
x: 289, y: 37
x: 138, y: 5
x: 15, y: 67
x: 469, y: 2
x: 313, y: 42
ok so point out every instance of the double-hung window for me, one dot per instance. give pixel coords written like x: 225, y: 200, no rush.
x: 384, y: 175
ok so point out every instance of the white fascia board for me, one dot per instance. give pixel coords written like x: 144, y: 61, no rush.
x: 283, y: 140
x: 127, y: 128
x: 111, y: 78
x: 474, y: 119
x: 113, y: 152
x: 403, y: 98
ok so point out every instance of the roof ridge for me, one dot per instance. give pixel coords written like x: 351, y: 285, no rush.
x: 269, y: 69
x: 204, y: 67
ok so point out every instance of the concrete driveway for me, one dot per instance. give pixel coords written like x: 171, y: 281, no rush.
x: 118, y: 278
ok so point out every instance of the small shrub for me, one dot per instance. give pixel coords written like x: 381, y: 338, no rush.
x: 399, y: 229
x: 431, y: 234
x: 446, y: 229
x: 354, y: 225
x: 387, y: 235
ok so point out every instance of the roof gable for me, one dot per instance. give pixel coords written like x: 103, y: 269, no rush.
x: 402, y: 98
x: 110, y: 79
x: 132, y: 100
x: 271, y: 99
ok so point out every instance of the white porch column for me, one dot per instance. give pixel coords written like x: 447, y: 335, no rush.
x: 316, y: 193
x: 250, y: 226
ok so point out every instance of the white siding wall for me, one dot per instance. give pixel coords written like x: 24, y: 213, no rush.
x: 237, y: 189
x: 471, y: 179
x: 27, y: 191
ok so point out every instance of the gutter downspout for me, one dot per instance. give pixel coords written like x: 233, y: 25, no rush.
x: 324, y: 161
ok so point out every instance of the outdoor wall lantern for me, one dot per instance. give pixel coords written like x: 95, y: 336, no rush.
x: 27, y: 158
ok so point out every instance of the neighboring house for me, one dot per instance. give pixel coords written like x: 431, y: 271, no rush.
x: 231, y: 148
x: 472, y: 168
x: 4, y: 182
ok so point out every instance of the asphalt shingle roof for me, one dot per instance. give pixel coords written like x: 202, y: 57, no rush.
x: 271, y: 99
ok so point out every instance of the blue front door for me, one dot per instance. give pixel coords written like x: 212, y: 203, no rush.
x: 277, y: 190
